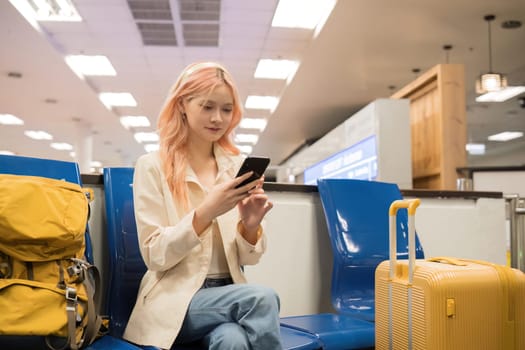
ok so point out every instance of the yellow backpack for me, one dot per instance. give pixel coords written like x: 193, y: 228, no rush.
x: 48, y: 293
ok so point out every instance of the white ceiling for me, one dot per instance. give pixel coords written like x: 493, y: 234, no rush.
x: 365, y: 47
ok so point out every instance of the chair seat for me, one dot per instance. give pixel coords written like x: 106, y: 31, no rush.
x: 108, y: 342
x: 334, y: 331
x: 293, y: 339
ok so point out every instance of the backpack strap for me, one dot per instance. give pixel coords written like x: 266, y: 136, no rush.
x: 89, y: 275
x: 92, y: 284
x: 71, y: 310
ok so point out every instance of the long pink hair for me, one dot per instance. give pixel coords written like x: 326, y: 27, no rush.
x: 196, y: 79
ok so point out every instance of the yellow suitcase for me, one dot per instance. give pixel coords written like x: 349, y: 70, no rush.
x: 446, y: 303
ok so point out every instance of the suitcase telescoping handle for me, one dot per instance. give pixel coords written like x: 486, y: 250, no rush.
x: 411, y: 205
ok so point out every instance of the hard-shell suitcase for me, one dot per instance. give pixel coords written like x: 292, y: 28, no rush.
x: 446, y: 303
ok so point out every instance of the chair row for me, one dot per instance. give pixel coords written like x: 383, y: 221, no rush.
x: 357, y: 219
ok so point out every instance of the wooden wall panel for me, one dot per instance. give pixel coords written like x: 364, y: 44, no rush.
x: 438, y: 126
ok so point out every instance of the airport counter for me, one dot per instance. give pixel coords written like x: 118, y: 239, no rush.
x: 298, y: 261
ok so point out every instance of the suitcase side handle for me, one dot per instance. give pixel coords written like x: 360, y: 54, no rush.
x: 411, y: 206
x: 447, y: 260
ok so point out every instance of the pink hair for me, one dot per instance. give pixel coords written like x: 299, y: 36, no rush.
x: 195, y: 79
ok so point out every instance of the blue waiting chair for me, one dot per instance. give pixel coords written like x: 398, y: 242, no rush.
x: 54, y: 169
x: 127, y: 267
x: 356, y: 213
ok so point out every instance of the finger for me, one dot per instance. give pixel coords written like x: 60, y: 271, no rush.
x: 249, y: 186
x: 268, y: 207
x: 238, y: 180
x: 256, y: 190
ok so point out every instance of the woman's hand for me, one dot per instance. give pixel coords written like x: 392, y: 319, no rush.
x: 221, y: 198
x: 253, y: 209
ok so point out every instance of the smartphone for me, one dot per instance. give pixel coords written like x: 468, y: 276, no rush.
x: 256, y: 164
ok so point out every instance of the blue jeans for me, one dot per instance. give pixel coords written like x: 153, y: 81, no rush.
x: 234, y: 316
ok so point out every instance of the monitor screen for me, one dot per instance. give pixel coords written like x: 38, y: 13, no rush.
x: 358, y: 161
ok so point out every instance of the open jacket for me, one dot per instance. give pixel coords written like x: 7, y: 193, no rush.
x: 177, y: 258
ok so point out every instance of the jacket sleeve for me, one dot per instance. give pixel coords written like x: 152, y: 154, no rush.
x: 162, y: 245
x: 250, y: 254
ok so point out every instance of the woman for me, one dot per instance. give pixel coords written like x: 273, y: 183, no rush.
x: 196, y: 229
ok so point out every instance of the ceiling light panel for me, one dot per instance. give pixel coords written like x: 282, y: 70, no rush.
x: 246, y: 149
x: 505, y: 136
x: 306, y: 14
x: 61, y: 146
x: 38, y: 135
x: 84, y: 65
x: 117, y: 99
x: 276, y: 69
x: 501, y: 95
x: 261, y: 102
x: 48, y: 10
x: 131, y: 121
x: 151, y: 147
x: 253, y: 123
x: 9, y: 119
x: 142, y: 137
x: 246, y: 138
x: 475, y: 148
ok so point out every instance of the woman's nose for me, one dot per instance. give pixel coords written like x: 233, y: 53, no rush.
x: 216, y: 116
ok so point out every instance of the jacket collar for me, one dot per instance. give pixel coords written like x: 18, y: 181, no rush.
x: 226, y: 164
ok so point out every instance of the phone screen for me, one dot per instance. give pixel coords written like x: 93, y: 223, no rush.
x: 256, y: 164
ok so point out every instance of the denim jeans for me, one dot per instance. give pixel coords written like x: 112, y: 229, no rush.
x: 234, y: 316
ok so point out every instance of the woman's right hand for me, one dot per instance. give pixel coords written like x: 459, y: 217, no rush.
x: 221, y: 198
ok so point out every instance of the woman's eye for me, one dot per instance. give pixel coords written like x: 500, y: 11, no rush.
x: 208, y: 107
x: 227, y: 110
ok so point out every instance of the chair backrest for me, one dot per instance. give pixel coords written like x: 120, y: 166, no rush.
x: 50, y: 168
x: 126, y: 266
x: 356, y: 213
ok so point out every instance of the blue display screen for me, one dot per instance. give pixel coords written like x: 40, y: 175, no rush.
x: 358, y: 161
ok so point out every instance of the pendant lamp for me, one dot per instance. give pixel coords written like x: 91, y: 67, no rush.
x: 490, y: 81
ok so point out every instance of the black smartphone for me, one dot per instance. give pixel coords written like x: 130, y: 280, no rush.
x: 256, y: 164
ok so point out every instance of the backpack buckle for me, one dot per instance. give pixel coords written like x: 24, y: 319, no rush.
x: 71, y: 295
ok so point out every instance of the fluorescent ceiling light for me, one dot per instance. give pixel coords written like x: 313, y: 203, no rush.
x: 253, y: 123
x: 9, y: 119
x: 307, y: 14
x: 146, y: 137
x: 151, y: 147
x: 475, y: 148
x: 501, y: 95
x: 246, y: 149
x: 262, y: 102
x: 47, y: 10
x: 246, y: 138
x: 84, y: 65
x: 27, y: 12
x: 134, y: 121
x: 7, y: 153
x: 117, y: 99
x: 506, y: 136
x: 38, y: 135
x: 62, y: 146
x: 276, y: 69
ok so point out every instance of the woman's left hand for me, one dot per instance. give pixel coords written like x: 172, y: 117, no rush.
x: 253, y: 208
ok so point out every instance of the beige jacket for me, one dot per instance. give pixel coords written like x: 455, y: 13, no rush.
x: 177, y: 259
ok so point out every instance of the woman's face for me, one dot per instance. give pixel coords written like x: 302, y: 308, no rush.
x: 209, y: 117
